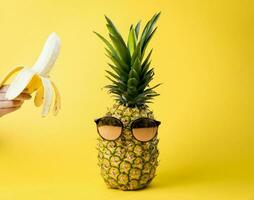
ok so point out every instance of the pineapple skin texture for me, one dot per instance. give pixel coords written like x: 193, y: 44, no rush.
x: 126, y: 163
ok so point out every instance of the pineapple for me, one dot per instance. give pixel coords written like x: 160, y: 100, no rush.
x: 127, y: 163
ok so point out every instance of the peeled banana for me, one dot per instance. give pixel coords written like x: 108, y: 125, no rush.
x: 36, y: 79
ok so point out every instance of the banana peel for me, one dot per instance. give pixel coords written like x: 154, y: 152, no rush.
x: 36, y: 79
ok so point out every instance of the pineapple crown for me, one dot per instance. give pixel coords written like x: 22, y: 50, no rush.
x: 130, y: 73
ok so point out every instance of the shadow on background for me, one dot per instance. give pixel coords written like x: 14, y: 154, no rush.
x: 173, y: 178
x: 1, y: 144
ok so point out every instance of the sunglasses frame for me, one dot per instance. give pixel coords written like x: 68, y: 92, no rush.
x: 157, y: 123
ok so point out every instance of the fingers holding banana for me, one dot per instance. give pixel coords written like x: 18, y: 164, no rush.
x: 8, y: 106
x: 4, y: 111
x: 23, y: 96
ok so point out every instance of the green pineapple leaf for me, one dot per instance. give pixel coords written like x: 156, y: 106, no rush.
x: 117, y: 61
x: 130, y: 73
x: 137, y: 28
x: 132, y: 40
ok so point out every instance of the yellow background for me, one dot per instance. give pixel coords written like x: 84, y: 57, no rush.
x: 203, y: 53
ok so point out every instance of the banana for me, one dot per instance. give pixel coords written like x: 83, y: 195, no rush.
x: 9, y: 74
x: 36, y: 79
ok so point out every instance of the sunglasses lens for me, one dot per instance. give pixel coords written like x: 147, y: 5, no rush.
x: 144, y: 129
x: 109, y: 128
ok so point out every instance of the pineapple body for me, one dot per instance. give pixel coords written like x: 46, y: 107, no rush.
x: 127, y: 163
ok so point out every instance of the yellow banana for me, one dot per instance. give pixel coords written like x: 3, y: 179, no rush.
x: 9, y: 74
x: 36, y: 79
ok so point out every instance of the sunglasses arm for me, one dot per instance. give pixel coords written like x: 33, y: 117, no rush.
x: 97, y: 120
x: 157, y: 122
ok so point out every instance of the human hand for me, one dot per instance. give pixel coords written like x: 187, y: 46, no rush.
x: 8, y: 106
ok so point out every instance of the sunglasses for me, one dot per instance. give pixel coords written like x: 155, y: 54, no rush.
x: 111, y: 128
